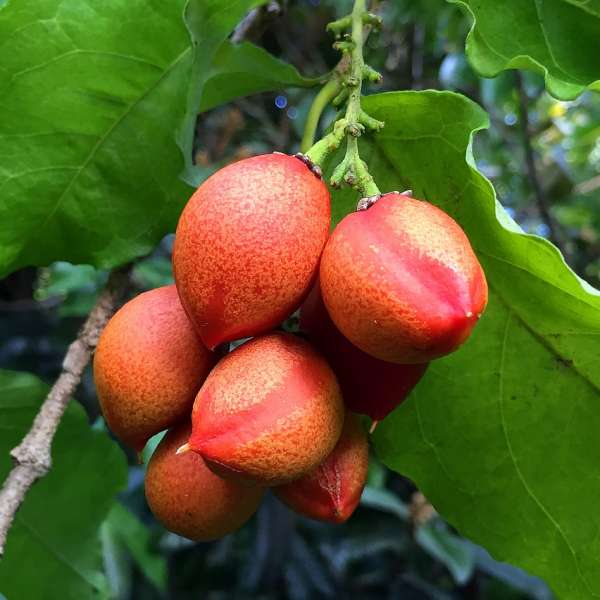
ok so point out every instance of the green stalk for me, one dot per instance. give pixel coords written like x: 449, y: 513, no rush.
x: 328, y: 92
x: 352, y: 170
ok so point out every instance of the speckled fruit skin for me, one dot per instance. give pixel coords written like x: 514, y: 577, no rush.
x: 188, y: 498
x: 332, y: 491
x: 269, y: 412
x: 248, y: 244
x: 369, y: 386
x: 401, y: 281
x: 149, y: 366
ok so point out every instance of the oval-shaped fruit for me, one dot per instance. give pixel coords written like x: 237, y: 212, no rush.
x: 149, y: 366
x: 401, y: 281
x: 188, y: 498
x: 248, y: 244
x: 369, y: 386
x: 269, y: 412
x: 332, y: 491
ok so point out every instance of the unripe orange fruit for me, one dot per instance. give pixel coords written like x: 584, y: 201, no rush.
x: 269, y: 412
x: 369, y: 386
x: 188, y: 498
x: 248, y: 244
x: 401, y: 281
x: 148, y: 366
x: 332, y: 491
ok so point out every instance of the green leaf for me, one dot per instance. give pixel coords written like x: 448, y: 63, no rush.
x: 125, y: 531
x: 91, y: 95
x: 449, y: 549
x: 53, y: 546
x: 558, y: 38
x: 77, y: 287
x: 209, y: 23
x: 501, y: 436
x: 244, y: 69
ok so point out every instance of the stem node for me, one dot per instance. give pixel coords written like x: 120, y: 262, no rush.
x: 351, y: 72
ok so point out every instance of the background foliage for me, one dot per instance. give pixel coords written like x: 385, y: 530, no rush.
x: 99, y: 131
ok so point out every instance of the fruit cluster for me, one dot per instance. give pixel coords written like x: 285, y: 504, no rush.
x: 395, y: 286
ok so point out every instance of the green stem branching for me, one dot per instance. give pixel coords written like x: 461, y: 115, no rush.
x: 346, y: 85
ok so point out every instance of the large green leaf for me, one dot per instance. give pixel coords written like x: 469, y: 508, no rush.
x: 502, y: 436
x: 94, y: 99
x: 558, y: 38
x: 91, y: 94
x: 228, y: 75
x: 53, y: 548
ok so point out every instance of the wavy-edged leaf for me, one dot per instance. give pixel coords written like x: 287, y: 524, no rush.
x: 558, y: 38
x: 53, y: 548
x: 502, y: 435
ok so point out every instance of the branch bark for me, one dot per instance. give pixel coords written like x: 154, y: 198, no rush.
x: 555, y: 233
x: 32, y: 457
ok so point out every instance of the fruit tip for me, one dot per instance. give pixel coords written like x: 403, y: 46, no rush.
x: 183, y: 449
x: 339, y: 514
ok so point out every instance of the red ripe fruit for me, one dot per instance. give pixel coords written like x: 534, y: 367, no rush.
x: 332, y: 491
x: 401, y: 281
x: 149, y: 366
x: 269, y: 412
x: 369, y: 386
x: 248, y: 244
x: 188, y: 498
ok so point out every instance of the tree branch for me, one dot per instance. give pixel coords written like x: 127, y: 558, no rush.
x: 540, y: 198
x: 32, y: 457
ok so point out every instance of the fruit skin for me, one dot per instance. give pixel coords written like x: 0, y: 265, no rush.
x: 269, y: 412
x: 188, y: 498
x: 369, y: 386
x: 332, y: 491
x: 401, y: 281
x: 148, y: 367
x: 248, y: 244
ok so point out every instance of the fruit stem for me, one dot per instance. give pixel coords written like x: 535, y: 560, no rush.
x: 352, y: 171
x: 328, y: 92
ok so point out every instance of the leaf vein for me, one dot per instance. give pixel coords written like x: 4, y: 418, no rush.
x: 518, y: 471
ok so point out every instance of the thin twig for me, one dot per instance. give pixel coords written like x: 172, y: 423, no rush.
x: 32, y: 457
x: 253, y: 20
x: 555, y: 234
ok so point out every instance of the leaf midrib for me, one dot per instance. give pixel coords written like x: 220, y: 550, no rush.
x: 96, y: 148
